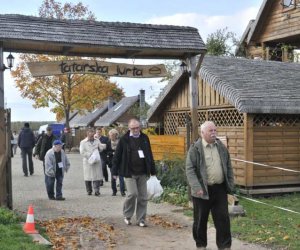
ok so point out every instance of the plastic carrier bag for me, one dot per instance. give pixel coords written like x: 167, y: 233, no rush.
x: 154, y: 189
x: 94, y: 158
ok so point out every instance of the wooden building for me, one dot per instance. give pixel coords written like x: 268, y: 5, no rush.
x: 275, y: 33
x: 256, y: 106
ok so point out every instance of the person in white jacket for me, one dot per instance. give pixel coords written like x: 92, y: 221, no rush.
x: 92, y: 168
x: 56, y: 164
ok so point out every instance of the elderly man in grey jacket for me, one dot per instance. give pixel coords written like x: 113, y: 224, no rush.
x: 56, y: 164
x: 209, y: 173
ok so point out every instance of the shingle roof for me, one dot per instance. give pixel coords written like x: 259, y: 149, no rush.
x: 76, y: 119
x: 112, y: 115
x: 90, y: 117
x: 252, y: 86
x: 21, y: 33
x: 71, y: 116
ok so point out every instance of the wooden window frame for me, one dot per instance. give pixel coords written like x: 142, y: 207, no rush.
x: 290, y: 7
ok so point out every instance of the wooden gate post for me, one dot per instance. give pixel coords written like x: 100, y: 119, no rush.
x: 194, y: 94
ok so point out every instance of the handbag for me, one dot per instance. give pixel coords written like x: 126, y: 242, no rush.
x: 94, y: 158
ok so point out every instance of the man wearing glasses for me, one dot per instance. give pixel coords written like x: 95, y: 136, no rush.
x: 133, y: 160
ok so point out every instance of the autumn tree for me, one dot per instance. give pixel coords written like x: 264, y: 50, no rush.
x: 66, y: 92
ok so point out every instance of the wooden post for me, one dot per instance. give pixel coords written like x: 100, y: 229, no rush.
x: 3, y: 150
x: 193, y: 84
x: 248, y: 147
x: 267, y: 54
x: 1, y: 78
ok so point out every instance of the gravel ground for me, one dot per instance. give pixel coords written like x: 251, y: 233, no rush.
x: 31, y: 190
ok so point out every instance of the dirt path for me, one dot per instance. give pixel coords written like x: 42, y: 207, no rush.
x: 168, y: 229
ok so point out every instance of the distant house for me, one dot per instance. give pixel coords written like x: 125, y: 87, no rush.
x: 256, y: 106
x: 71, y: 116
x: 88, y: 119
x: 122, y: 111
x: 275, y: 33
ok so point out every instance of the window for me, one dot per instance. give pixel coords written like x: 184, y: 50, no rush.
x: 288, y: 4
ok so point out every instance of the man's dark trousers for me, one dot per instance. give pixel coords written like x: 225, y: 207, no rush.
x: 218, y: 205
x: 27, y: 152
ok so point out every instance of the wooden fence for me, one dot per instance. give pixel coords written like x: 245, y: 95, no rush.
x: 167, y: 146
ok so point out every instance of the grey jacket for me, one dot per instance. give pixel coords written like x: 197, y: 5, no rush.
x: 196, y: 169
x: 50, y: 163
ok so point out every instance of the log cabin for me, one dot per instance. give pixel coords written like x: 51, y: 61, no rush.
x: 256, y: 107
x: 275, y: 33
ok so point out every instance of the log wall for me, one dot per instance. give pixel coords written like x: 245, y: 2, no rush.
x: 280, y: 23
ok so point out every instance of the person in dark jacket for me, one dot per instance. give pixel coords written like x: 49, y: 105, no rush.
x: 111, y: 148
x: 134, y: 161
x: 103, y: 154
x: 26, y: 143
x: 44, y: 144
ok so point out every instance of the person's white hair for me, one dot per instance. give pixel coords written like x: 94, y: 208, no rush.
x: 113, y: 132
x: 205, y: 124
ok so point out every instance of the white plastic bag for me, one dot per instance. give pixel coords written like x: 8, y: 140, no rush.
x: 94, y: 158
x: 154, y: 189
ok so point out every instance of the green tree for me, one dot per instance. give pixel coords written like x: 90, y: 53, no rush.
x: 221, y: 42
x: 66, y: 92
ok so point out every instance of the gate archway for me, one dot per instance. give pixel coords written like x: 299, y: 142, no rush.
x: 28, y: 34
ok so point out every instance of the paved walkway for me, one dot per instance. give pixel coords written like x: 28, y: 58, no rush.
x: 31, y: 190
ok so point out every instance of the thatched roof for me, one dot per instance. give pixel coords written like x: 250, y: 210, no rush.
x: 30, y: 34
x: 252, y: 86
x: 112, y: 115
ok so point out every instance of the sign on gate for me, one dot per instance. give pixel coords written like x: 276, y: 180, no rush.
x: 103, y: 68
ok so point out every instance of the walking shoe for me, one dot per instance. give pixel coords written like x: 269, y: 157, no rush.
x: 60, y: 198
x: 51, y: 198
x: 127, y: 221
x: 123, y: 194
x: 89, y: 193
x: 26, y: 175
x: 97, y: 193
x: 114, y: 194
x: 142, y: 224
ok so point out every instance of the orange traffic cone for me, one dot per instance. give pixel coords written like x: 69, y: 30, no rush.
x: 29, y: 226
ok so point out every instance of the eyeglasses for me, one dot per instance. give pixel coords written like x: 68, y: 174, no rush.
x: 134, y: 128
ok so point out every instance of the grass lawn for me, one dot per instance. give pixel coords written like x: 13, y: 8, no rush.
x: 12, y: 236
x: 269, y: 225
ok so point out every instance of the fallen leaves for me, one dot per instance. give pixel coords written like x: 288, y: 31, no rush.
x: 79, y: 232
x: 158, y: 220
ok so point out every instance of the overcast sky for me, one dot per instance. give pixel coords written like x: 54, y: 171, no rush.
x: 206, y: 16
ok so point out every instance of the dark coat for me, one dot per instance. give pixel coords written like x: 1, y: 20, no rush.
x: 120, y: 163
x: 26, y: 138
x: 104, y: 140
x: 41, y: 147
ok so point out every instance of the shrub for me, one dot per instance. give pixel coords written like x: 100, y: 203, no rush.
x: 7, y: 217
x: 172, y: 173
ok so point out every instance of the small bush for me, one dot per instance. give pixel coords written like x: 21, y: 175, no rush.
x: 7, y: 217
x: 172, y: 173
x: 176, y: 196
